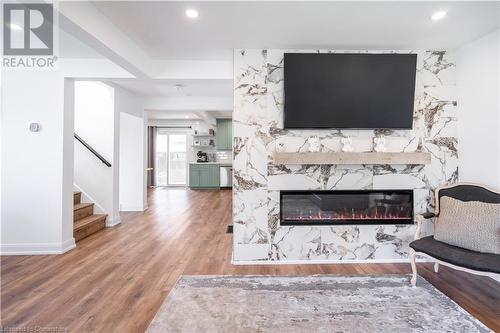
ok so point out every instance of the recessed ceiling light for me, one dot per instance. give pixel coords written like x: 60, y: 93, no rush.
x: 14, y: 26
x: 438, y: 15
x: 192, y: 13
x: 186, y: 117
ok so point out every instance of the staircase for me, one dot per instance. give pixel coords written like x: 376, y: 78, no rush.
x: 85, y: 222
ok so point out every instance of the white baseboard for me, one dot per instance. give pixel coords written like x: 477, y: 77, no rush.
x: 37, y: 248
x: 324, y: 262
x: 113, y: 222
x: 126, y: 208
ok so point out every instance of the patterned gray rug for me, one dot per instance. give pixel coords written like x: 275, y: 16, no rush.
x: 320, y: 303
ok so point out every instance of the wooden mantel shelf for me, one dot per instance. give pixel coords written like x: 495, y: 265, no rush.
x: 289, y: 158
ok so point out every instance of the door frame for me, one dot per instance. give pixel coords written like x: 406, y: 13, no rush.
x: 169, y: 131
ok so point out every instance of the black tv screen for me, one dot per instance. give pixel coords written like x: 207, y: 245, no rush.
x: 343, y: 90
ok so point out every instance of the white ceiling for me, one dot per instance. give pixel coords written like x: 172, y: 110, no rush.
x: 179, y: 87
x: 185, y: 115
x: 70, y: 47
x: 163, y: 31
x: 221, y: 114
x: 172, y: 115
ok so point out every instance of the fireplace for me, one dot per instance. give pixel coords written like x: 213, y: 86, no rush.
x: 346, y: 207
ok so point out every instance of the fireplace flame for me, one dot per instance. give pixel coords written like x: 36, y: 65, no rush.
x: 352, y: 214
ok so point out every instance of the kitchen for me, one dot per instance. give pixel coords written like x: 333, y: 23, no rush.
x: 213, y: 165
x: 186, y: 150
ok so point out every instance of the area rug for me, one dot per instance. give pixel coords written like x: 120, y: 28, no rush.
x: 319, y: 303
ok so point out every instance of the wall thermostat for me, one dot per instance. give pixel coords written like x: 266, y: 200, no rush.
x: 35, y: 127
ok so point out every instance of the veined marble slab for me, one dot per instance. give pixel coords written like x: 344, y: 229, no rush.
x: 351, y: 158
x: 258, y: 178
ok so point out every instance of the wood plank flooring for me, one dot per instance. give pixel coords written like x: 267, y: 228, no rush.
x: 116, y: 279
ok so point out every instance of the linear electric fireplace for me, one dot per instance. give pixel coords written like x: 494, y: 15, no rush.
x: 346, y: 207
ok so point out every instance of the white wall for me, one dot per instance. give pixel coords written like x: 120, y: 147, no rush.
x: 192, y: 69
x: 95, y: 122
x: 36, y: 180
x: 190, y: 103
x: 132, y: 178
x: 68, y: 158
x: 37, y: 168
x: 478, y: 74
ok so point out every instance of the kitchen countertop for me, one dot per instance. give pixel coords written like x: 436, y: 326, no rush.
x: 218, y: 163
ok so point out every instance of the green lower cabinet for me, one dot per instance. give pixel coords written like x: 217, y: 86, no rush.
x: 194, y: 176
x: 204, y: 176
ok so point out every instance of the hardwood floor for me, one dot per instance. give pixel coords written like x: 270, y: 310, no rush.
x: 116, y: 279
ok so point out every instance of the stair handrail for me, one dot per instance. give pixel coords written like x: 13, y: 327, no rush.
x: 92, y: 150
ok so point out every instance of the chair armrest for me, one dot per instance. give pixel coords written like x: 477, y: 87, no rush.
x: 419, y: 219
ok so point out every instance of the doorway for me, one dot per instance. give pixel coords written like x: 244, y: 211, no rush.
x: 170, y: 158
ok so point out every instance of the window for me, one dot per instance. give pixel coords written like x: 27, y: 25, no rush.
x: 171, y: 158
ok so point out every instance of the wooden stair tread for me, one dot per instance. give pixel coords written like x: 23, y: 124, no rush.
x: 77, y: 197
x: 82, y: 205
x: 86, y: 221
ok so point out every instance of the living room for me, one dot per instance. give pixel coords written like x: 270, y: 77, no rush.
x: 364, y: 142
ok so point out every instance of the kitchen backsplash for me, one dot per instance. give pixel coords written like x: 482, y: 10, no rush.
x: 224, y: 156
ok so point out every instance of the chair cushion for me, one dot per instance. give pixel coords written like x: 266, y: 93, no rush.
x: 471, y: 225
x: 485, y: 262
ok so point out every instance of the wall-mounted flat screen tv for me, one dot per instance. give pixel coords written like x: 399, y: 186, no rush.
x: 344, y: 90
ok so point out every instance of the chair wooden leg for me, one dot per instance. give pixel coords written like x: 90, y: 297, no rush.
x: 436, y: 267
x: 413, y: 267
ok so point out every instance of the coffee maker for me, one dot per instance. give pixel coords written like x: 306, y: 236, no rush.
x: 202, y: 156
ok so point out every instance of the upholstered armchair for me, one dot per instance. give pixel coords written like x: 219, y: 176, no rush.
x: 484, y: 262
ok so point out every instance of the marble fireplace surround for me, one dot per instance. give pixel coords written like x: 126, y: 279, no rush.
x: 258, y: 130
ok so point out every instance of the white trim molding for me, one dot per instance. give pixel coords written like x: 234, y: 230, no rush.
x: 113, y: 222
x: 38, y: 248
x: 324, y: 262
x: 436, y: 191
